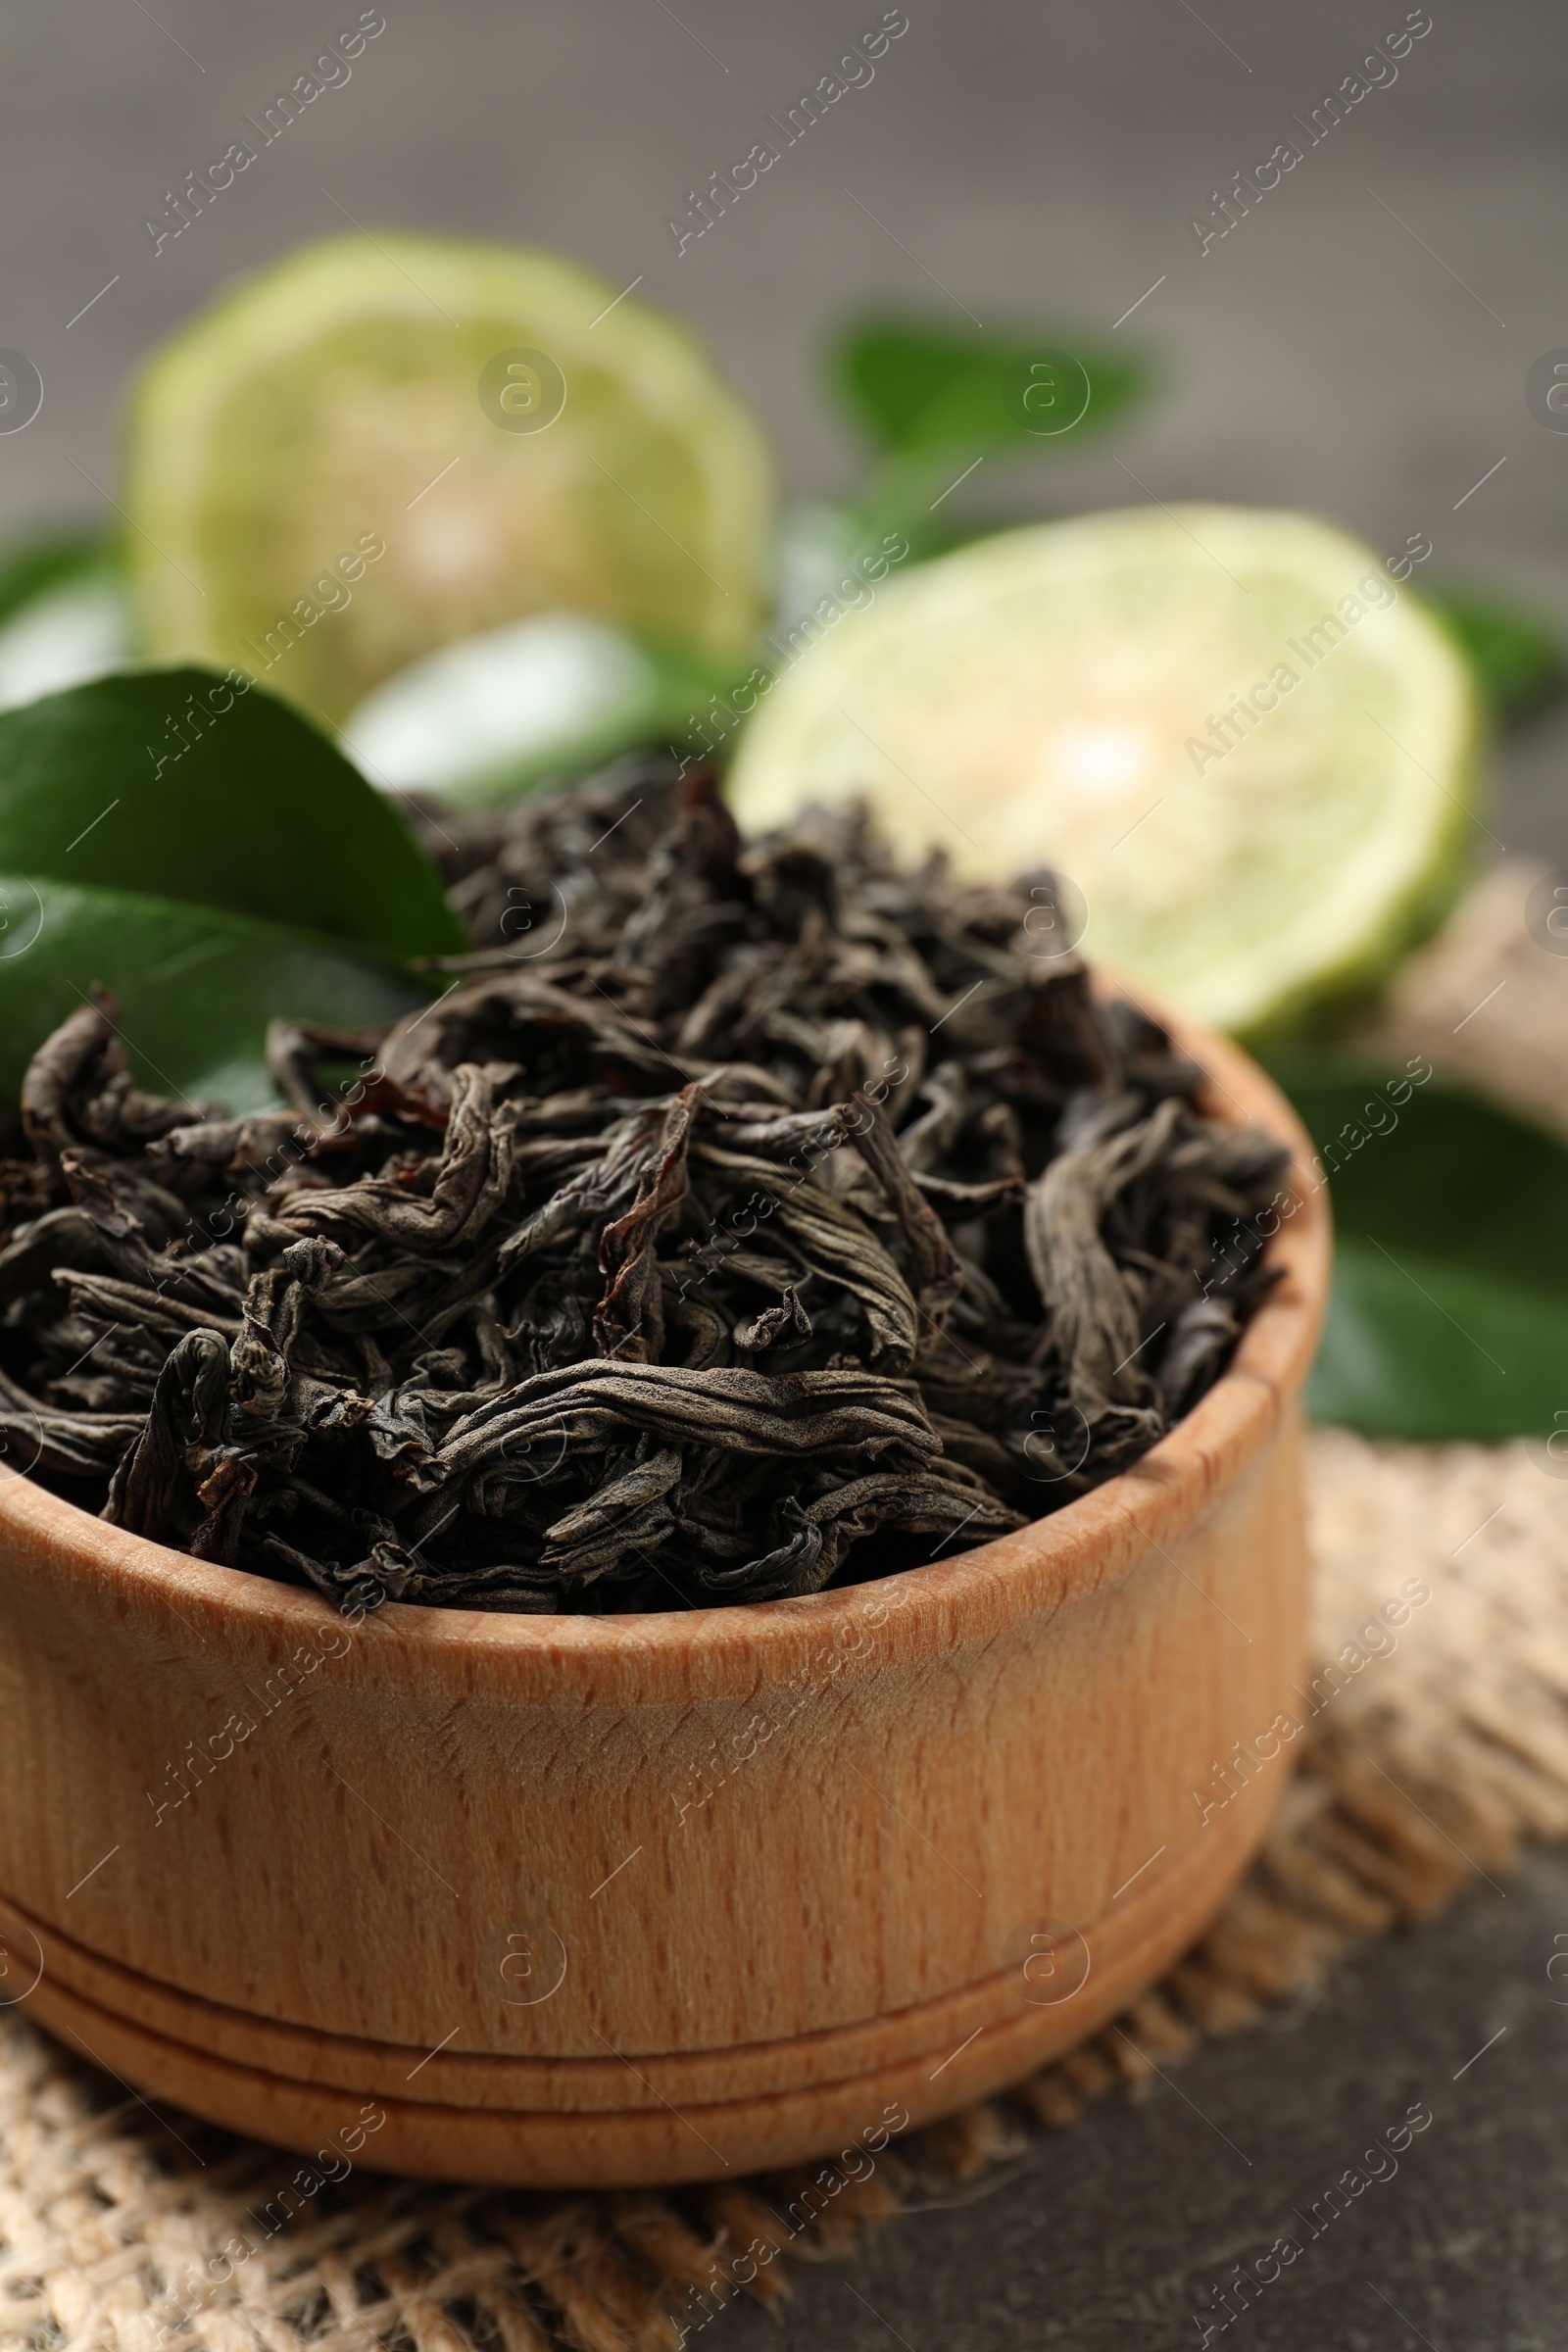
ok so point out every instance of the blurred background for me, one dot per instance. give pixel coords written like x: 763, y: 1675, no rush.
x: 1358, y: 347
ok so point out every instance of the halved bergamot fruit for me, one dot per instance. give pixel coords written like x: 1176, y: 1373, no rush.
x: 1243, y: 744
x: 381, y: 446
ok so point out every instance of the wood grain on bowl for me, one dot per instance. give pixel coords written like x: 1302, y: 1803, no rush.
x: 577, y: 1900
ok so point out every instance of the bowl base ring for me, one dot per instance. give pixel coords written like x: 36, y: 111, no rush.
x: 300, y: 2087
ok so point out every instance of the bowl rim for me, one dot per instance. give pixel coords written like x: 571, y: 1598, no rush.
x: 1087, y: 1545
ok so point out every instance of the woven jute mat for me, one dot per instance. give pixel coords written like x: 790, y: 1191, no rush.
x: 1436, y: 1747
x: 1438, y: 1742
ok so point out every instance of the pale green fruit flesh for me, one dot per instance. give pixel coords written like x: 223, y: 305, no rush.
x: 333, y: 406
x: 1066, y: 696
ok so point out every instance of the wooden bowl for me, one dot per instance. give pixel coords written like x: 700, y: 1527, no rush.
x: 601, y: 1902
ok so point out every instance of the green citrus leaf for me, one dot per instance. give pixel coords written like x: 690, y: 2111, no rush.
x: 1450, y: 1312
x: 1424, y: 1349
x: 196, y: 987
x: 213, y: 860
x: 918, y: 388
x: 1518, y: 659
x: 32, y: 567
x: 170, y: 784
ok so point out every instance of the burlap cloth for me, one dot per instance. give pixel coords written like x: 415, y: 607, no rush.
x: 1435, y: 1749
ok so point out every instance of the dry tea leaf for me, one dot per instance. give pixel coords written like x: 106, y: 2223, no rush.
x: 782, y: 1219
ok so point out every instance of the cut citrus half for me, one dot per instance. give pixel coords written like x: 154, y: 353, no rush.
x: 381, y: 446
x: 1245, y: 746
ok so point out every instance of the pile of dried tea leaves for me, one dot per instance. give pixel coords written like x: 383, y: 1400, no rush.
x: 741, y: 1217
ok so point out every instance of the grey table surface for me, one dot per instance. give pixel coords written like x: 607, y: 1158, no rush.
x: 1358, y: 345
